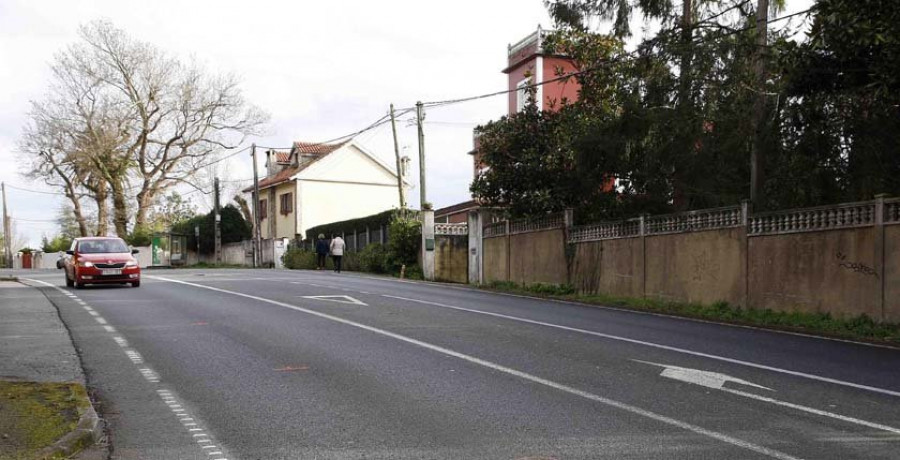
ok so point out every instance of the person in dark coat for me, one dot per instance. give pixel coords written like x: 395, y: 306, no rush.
x: 321, y: 252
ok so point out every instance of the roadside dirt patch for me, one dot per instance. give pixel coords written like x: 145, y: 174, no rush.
x: 34, y: 415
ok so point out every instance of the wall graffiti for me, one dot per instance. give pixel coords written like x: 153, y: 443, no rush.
x: 855, y: 266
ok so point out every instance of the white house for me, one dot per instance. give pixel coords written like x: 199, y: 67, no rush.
x: 315, y: 184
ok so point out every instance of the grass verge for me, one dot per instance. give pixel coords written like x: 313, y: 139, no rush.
x: 861, y: 328
x: 35, y: 415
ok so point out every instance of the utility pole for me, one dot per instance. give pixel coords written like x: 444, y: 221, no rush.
x: 7, y: 245
x: 257, y: 243
x: 397, y: 155
x: 420, y: 117
x: 757, y: 155
x: 427, y: 214
x: 218, y: 243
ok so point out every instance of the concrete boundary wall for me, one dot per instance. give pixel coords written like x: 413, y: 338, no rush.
x: 842, y: 259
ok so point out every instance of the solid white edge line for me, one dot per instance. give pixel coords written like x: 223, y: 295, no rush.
x: 525, y: 376
x: 811, y: 410
x: 574, y: 303
x: 657, y: 345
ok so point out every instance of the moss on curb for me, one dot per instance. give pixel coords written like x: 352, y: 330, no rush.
x: 860, y: 328
x: 35, y: 415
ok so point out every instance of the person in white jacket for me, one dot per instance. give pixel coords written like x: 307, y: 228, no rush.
x: 337, y: 252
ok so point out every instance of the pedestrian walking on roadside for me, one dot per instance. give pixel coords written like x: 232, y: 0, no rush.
x: 321, y: 252
x: 337, y: 252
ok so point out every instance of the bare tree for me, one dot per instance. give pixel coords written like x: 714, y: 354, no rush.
x: 133, y: 122
x: 180, y: 119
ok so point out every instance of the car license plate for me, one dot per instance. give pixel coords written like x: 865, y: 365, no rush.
x: 111, y: 271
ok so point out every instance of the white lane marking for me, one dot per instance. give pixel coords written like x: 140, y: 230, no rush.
x: 109, y: 328
x: 717, y: 381
x: 121, y: 341
x: 134, y: 356
x: 660, y: 346
x: 522, y: 375
x: 336, y: 298
x: 486, y: 292
x: 811, y: 410
x: 195, y: 429
x: 703, y: 378
x: 100, y: 320
x: 93, y: 313
x: 199, y: 434
x: 214, y: 453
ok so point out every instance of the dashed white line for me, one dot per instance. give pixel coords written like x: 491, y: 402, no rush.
x: 109, y: 328
x: 93, y: 313
x: 100, y: 320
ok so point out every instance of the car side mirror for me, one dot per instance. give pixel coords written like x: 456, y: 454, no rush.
x: 71, y: 253
x: 135, y: 251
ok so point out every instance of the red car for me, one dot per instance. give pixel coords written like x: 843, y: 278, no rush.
x: 101, y: 260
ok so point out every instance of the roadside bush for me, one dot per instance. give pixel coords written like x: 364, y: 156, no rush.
x: 374, y: 258
x: 299, y: 259
x: 404, y: 241
x: 140, y: 236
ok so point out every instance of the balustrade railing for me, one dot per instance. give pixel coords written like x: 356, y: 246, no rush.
x: 704, y: 219
x: 605, y: 231
x: 451, y: 229
x: 849, y: 215
x: 544, y: 223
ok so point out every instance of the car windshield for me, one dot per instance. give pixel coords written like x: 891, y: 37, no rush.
x: 102, y: 246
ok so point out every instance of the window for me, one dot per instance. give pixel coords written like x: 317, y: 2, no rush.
x: 287, y: 203
x: 263, y: 209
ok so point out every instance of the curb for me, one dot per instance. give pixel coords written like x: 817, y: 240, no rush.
x: 87, y: 432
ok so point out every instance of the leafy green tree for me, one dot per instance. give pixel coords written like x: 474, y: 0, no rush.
x: 233, y: 226
x: 56, y: 244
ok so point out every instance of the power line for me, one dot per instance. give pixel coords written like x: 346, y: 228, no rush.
x: 601, y: 65
x: 23, y: 189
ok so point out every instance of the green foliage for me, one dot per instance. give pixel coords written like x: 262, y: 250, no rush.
x: 57, y: 244
x: 374, y: 258
x: 404, y: 242
x: 140, y: 236
x: 299, y: 259
x: 349, y: 226
x: 233, y: 226
x: 671, y: 121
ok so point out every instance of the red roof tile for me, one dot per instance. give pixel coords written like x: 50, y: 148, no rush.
x: 302, y: 148
x: 309, y: 148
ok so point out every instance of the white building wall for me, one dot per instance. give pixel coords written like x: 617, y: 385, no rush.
x: 327, y: 202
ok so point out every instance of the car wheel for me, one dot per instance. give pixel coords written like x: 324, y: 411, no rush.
x: 69, y: 283
x: 136, y: 284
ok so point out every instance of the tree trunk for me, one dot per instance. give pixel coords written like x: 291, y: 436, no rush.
x: 100, y: 196
x: 144, y: 201
x: 757, y: 154
x: 79, y: 216
x: 685, y: 140
x: 120, y: 209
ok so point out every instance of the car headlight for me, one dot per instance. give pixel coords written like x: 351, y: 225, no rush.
x: 131, y: 263
x: 86, y: 263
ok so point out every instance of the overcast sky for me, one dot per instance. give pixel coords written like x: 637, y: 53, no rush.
x: 321, y: 69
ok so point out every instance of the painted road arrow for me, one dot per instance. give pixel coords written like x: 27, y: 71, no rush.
x: 336, y: 298
x: 717, y: 381
x: 703, y: 378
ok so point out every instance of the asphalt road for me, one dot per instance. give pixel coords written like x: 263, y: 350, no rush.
x: 257, y: 364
